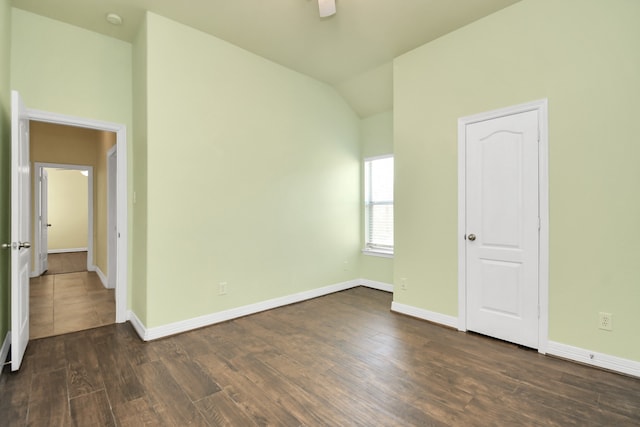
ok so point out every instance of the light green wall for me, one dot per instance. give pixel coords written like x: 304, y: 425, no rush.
x: 583, y: 56
x: 252, y: 177
x: 376, y: 139
x: 68, y: 70
x: 5, y: 162
x: 64, y: 69
x: 139, y: 267
x: 377, y: 134
x: 379, y: 269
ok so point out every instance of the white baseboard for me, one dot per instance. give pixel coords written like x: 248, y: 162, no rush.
x: 137, y: 324
x: 613, y: 363
x: 381, y: 286
x: 4, y: 350
x: 420, y: 313
x: 593, y: 358
x: 588, y: 357
x: 100, y: 274
x: 148, y: 334
x: 64, y: 251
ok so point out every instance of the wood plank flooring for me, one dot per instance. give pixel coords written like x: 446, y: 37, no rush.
x: 64, y: 303
x: 339, y: 360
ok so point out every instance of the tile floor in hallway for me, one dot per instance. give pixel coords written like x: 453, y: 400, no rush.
x: 71, y: 302
x: 66, y: 262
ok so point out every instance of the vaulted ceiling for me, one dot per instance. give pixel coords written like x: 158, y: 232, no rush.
x: 351, y: 50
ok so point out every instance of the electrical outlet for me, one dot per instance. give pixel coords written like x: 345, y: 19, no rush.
x: 345, y: 266
x: 222, y: 288
x: 605, y: 321
x: 403, y: 283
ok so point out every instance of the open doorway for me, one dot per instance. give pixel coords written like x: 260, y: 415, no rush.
x: 70, y: 287
x: 21, y: 207
x: 121, y: 220
x: 63, y: 218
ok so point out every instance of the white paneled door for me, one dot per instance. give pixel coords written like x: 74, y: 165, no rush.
x: 20, y: 242
x: 44, y: 221
x: 502, y: 227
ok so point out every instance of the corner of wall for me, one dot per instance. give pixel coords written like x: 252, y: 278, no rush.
x: 376, y: 139
x: 138, y: 288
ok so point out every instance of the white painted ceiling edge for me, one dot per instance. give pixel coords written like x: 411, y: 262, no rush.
x: 352, y: 50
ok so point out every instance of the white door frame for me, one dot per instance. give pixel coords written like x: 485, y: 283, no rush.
x: 112, y: 224
x: 42, y: 215
x: 543, y: 192
x: 38, y: 166
x: 122, y: 219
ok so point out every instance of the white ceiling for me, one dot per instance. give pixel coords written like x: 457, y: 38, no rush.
x: 351, y: 50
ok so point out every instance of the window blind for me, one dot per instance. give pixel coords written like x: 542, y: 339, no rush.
x: 379, y: 203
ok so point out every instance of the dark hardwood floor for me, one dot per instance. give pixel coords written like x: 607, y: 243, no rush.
x: 338, y: 360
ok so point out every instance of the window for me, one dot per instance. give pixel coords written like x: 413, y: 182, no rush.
x: 378, y: 204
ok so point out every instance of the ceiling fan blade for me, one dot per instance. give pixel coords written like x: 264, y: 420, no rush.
x: 327, y: 7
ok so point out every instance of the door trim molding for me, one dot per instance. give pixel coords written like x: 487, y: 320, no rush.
x: 541, y: 106
x: 122, y: 219
x: 112, y: 223
x: 38, y: 166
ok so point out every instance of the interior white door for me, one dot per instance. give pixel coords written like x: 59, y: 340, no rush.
x: 502, y: 227
x: 20, y: 253
x: 44, y: 221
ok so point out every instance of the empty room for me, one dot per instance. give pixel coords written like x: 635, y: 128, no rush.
x: 319, y: 212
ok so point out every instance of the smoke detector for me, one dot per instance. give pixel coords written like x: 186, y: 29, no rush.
x: 114, y: 18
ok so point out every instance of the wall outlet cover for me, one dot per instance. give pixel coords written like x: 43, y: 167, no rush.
x: 605, y: 321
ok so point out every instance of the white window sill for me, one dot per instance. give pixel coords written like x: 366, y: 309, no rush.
x: 378, y: 253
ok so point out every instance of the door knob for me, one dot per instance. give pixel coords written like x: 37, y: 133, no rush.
x: 6, y: 246
x: 472, y: 237
x: 25, y: 245
x: 48, y: 225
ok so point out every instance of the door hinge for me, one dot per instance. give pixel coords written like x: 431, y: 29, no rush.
x: 539, y: 224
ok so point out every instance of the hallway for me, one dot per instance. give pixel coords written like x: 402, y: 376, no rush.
x: 63, y: 303
x: 69, y: 262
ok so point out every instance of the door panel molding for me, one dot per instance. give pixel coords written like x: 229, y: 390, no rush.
x: 20, y: 230
x: 541, y: 107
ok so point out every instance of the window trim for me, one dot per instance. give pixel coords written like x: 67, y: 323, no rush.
x: 377, y: 253
x: 374, y: 250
